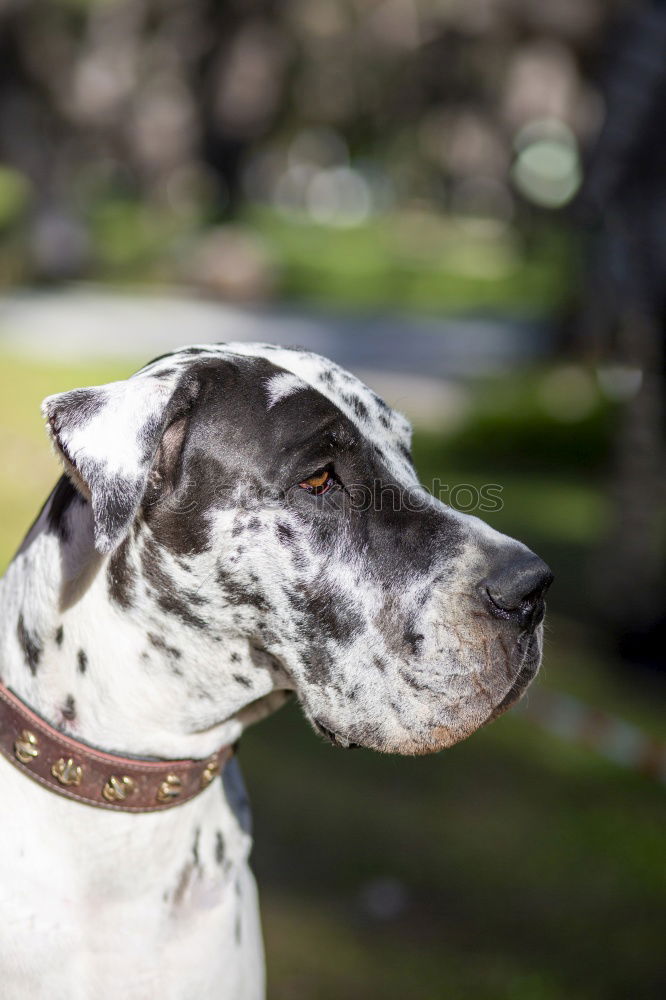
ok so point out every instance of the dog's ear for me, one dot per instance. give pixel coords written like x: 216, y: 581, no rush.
x: 107, y: 437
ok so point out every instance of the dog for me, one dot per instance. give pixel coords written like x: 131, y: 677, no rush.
x: 235, y: 524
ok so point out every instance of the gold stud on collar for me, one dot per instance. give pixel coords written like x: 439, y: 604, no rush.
x: 170, y: 788
x: 117, y: 789
x: 210, y: 771
x: 67, y: 772
x: 26, y: 747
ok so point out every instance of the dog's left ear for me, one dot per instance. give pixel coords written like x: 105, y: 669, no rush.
x: 107, y: 437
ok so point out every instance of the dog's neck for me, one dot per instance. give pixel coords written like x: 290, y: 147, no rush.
x: 124, y: 675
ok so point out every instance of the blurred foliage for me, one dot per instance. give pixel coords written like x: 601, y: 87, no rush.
x: 514, y: 425
x: 13, y: 196
x: 419, y: 261
x: 387, y: 153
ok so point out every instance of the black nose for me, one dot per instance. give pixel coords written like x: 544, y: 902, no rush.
x: 515, y: 589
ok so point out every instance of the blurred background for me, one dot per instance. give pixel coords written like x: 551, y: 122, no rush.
x: 464, y: 201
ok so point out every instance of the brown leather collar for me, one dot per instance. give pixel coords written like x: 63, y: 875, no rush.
x: 106, y: 780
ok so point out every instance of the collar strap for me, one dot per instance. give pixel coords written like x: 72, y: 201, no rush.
x: 106, y: 780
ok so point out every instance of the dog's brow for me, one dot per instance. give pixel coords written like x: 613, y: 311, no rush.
x: 327, y: 428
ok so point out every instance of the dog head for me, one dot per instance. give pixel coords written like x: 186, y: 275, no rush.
x: 265, y: 499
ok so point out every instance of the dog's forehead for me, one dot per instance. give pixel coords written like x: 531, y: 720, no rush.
x: 294, y: 370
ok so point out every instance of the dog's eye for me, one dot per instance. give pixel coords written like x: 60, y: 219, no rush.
x: 319, y: 483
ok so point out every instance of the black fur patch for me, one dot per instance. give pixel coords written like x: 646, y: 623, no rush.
x: 219, y: 847
x: 414, y: 640
x: 159, y: 643
x: 237, y: 594
x: 30, y: 644
x: 329, y: 614
x: 79, y: 408
x: 68, y: 710
x: 82, y: 659
x: 63, y: 496
x: 60, y: 633
x: 169, y: 598
x: 285, y: 533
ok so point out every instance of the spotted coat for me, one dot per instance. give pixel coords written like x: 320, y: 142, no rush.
x: 183, y: 579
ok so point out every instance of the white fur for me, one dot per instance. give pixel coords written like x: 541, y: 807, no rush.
x: 281, y: 386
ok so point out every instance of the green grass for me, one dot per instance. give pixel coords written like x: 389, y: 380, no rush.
x: 533, y: 870
x: 30, y: 467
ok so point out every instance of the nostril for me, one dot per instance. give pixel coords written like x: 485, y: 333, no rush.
x: 516, y: 589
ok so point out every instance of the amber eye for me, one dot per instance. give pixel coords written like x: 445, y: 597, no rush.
x: 320, y: 483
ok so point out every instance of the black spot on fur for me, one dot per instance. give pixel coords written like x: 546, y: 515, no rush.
x: 30, y: 644
x: 360, y: 409
x: 379, y: 402
x: 82, y: 405
x: 405, y: 452
x: 238, y: 595
x: 194, y: 597
x: 60, y: 633
x: 326, y: 614
x: 169, y: 597
x: 235, y: 657
x: 68, y: 710
x: 159, y: 643
x: 242, y: 680
x: 285, y: 533
x: 357, y: 405
x: 219, y: 847
x: 121, y: 576
x: 195, y: 847
x: 414, y: 640
x: 62, y: 498
x: 82, y: 659
x: 166, y: 373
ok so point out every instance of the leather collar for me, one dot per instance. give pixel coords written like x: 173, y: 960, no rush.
x: 88, y: 775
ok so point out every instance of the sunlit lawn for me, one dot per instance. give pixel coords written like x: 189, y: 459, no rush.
x: 529, y: 869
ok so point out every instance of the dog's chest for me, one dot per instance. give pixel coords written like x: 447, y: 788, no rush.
x: 125, y: 906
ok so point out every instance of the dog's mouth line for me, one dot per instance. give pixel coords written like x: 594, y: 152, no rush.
x: 336, y: 739
x: 522, y: 680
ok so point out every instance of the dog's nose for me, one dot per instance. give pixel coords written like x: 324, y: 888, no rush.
x: 515, y: 589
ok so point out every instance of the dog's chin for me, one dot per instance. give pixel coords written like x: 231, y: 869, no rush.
x: 438, y: 737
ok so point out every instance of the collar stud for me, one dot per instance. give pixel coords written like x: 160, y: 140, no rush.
x: 118, y: 789
x: 26, y: 747
x: 67, y: 772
